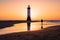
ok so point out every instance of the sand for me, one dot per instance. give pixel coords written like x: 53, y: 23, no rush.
x: 50, y: 33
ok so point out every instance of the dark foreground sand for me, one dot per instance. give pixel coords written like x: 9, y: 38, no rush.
x: 50, y: 33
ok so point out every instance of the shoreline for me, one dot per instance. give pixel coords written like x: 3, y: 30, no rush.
x: 50, y: 33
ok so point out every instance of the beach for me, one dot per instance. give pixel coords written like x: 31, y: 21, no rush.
x: 49, y: 33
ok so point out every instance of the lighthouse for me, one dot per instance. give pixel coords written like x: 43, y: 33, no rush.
x: 28, y: 13
x: 28, y: 18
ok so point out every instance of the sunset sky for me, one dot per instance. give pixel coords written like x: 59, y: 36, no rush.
x: 17, y: 9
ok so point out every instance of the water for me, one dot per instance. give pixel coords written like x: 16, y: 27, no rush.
x: 21, y: 27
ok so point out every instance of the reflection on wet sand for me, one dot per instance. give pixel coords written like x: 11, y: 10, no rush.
x: 23, y: 27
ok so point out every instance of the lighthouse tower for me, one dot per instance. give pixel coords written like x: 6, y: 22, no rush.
x: 28, y: 13
x: 28, y: 18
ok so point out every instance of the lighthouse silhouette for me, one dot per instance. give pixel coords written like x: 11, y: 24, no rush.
x: 28, y: 18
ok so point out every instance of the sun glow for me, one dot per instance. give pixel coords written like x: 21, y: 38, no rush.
x: 34, y: 13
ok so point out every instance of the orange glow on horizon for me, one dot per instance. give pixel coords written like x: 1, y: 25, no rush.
x: 17, y: 10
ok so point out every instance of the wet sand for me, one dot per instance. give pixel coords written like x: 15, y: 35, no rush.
x: 50, y: 33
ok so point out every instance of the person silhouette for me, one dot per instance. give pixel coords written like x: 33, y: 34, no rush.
x: 41, y: 23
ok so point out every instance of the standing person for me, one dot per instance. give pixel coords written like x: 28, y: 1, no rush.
x: 41, y: 23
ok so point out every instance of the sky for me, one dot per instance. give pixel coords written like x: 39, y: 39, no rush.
x: 40, y: 9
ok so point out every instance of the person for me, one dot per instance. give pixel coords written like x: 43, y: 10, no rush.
x: 41, y: 23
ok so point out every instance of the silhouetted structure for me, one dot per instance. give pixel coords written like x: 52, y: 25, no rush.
x: 9, y: 23
x: 28, y: 18
x: 41, y: 23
